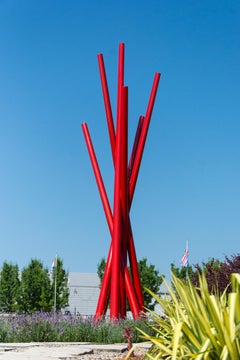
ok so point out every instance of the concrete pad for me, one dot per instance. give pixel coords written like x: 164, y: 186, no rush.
x: 54, y: 351
x: 60, y: 351
x: 44, y: 353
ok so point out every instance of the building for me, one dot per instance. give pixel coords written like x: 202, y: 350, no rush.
x: 84, y: 289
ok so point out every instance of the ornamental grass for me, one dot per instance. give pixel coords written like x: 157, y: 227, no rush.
x: 195, y: 324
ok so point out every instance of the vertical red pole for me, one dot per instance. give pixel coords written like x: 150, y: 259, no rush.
x: 131, y: 295
x: 143, y: 137
x: 131, y: 248
x: 104, y: 294
x: 107, y: 103
x: 124, y: 193
x: 116, y: 241
x: 134, y: 270
x: 98, y: 176
x: 135, y: 145
x: 105, y: 290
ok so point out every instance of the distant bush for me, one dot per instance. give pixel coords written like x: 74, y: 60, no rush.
x: 217, y: 273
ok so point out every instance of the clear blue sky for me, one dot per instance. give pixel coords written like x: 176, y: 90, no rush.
x: 189, y: 183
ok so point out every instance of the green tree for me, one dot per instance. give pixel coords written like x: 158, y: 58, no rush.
x: 9, y: 287
x: 100, y: 269
x: 35, y: 288
x: 181, y: 272
x: 149, y: 278
x: 59, y: 286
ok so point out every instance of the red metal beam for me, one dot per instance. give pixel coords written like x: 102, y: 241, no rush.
x: 117, y: 230
x: 143, y: 137
x: 104, y: 294
x: 107, y: 103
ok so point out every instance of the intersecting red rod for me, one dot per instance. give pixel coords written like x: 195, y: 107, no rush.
x: 99, y: 180
x: 134, y: 270
x: 135, y: 145
x: 134, y: 166
x: 107, y: 103
x: 113, y: 138
x: 104, y: 294
x: 124, y: 197
x: 116, y: 282
x: 131, y: 247
x: 143, y: 137
x: 148, y: 115
x: 117, y: 229
x: 108, y: 107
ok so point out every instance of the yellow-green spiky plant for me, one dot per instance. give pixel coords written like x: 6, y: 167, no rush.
x: 193, y: 324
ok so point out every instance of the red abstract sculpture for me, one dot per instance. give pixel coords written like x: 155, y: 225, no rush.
x: 118, y: 285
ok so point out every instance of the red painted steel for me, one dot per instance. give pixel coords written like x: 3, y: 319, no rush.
x: 98, y: 176
x: 134, y: 270
x: 135, y: 145
x: 105, y: 290
x: 107, y: 103
x: 118, y: 285
x: 106, y: 280
x: 123, y: 196
x: 116, y: 239
x: 143, y: 136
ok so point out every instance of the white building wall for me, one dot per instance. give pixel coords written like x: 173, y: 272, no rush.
x: 84, y: 289
x: 83, y: 293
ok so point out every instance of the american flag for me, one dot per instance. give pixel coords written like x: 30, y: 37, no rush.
x: 54, y: 263
x: 184, y: 260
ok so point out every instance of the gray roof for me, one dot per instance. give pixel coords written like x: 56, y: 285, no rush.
x: 83, y: 279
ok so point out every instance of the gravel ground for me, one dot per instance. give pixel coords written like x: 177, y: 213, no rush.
x: 108, y: 355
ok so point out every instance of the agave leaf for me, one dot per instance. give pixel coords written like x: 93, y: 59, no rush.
x: 204, y: 350
x: 235, y: 281
x: 190, y: 336
x: 194, y: 312
x: 238, y: 330
x: 237, y: 308
x: 215, y: 314
x: 176, y: 340
x: 224, y: 354
x: 225, y: 328
x: 233, y: 309
x: 200, y: 316
x: 165, y: 350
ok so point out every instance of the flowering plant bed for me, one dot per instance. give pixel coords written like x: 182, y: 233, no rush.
x: 49, y: 327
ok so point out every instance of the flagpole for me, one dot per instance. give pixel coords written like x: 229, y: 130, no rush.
x: 187, y: 260
x: 55, y: 288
